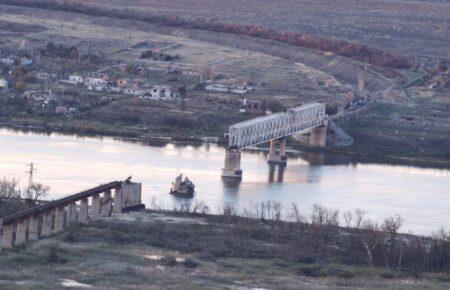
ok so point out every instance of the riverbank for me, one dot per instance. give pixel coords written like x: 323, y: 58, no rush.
x: 178, y: 251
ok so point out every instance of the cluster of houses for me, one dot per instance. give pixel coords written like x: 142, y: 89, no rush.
x: 125, y: 86
x: 47, y: 100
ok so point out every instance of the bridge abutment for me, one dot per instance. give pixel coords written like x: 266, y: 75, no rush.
x: 277, y: 157
x: 232, y: 166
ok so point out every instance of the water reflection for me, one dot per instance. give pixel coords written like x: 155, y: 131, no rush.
x: 279, y: 169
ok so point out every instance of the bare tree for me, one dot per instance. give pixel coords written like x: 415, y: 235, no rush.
x: 359, y: 217
x: 8, y: 190
x: 9, y: 197
x: 370, y: 238
x: 36, y: 191
x: 390, y: 227
x: 348, y: 216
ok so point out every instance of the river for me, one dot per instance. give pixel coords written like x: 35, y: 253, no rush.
x: 69, y: 164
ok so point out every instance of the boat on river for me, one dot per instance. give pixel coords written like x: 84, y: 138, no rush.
x: 182, y: 188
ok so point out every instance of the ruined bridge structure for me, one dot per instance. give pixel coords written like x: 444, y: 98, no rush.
x: 52, y: 217
x: 310, y: 118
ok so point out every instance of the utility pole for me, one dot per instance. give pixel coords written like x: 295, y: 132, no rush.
x: 30, y: 174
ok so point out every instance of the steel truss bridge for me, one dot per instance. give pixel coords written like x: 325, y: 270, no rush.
x: 266, y: 128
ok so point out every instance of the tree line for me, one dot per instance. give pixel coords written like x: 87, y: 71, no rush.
x: 327, y: 234
x: 352, y: 50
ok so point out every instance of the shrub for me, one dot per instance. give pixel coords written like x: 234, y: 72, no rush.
x: 387, y: 275
x: 53, y: 254
x: 190, y: 263
x: 313, y: 271
x: 169, y: 261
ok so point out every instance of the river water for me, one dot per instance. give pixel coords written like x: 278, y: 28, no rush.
x: 69, y: 164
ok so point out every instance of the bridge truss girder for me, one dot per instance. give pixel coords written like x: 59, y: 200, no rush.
x: 266, y: 128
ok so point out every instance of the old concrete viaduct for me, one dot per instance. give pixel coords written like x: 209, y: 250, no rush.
x: 52, y: 217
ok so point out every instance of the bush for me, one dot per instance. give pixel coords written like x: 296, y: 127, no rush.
x: 190, y: 263
x: 53, y: 254
x: 387, y: 275
x: 314, y: 271
x: 169, y: 261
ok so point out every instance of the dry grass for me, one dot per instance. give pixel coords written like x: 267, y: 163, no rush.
x: 106, y: 257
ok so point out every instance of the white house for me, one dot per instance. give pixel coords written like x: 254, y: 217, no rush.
x: 3, y: 84
x: 74, y: 79
x: 95, y: 82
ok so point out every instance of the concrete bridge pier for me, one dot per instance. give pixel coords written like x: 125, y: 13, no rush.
x: 106, y: 204
x: 47, y: 221
x: 7, y: 237
x: 21, y: 233
x: 318, y: 137
x: 72, y: 213
x: 84, y: 206
x: 33, y: 228
x: 95, y: 207
x: 59, y: 220
x: 117, y: 207
x: 232, y: 167
x: 277, y: 157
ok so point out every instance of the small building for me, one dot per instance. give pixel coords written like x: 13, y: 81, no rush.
x: 26, y: 61
x: 162, y: 92
x: 3, y: 84
x: 225, y: 88
x: 95, y: 82
x: 75, y: 79
x: 8, y: 61
x: 61, y: 110
x: 122, y: 83
x: 254, y: 106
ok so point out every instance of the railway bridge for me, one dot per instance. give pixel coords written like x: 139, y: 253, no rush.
x: 310, y: 118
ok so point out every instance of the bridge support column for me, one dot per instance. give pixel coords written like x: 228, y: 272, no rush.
x: 232, y: 167
x: 33, y: 228
x: 21, y: 232
x: 59, y: 220
x: 47, y: 224
x: 95, y: 207
x: 117, y: 207
x: 106, y: 204
x: 72, y: 213
x: 280, y: 156
x: 83, y: 216
x: 7, y: 237
x: 318, y: 137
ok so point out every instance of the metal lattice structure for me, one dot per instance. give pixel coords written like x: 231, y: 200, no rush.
x: 263, y: 129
